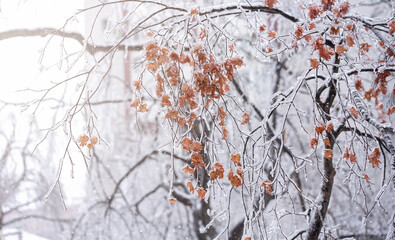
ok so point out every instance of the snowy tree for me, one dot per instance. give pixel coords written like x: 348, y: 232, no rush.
x: 238, y: 120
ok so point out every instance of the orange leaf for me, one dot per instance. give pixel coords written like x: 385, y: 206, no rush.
x: 203, y: 33
x: 137, y: 84
x: 314, y: 11
x: 188, y: 170
x: 311, y: 26
x: 327, y: 142
x: 201, y: 193
x: 328, y: 153
x: 354, y: 112
x: 217, y: 171
x: 270, y: 3
x: 358, y: 85
x: 152, y: 67
x: 350, y: 41
x: 346, y: 154
x: 329, y: 127
x: 374, y: 157
x: 194, y: 12
x: 313, y: 142
x: 171, y: 115
x: 172, y: 201
x: 135, y: 103
x: 342, y: 10
x: 196, y: 146
x: 83, y: 140
x: 165, y: 100
x: 320, y: 128
x: 272, y: 34
x: 299, y: 32
x: 235, y: 180
x: 186, y: 144
x: 151, y: 50
x: 340, y: 49
x: 367, y: 178
x: 236, y: 159
x: 391, y: 26
x: 224, y: 134
x: 365, y: 47
x: 143, y: 108
x: 267, y: 184
x: 191, y: 188
x: 314, y: 63
x: 246, y: 118
x: 353, y: 159
x: 197, y: 161
x: 174, y: 56
x: 181, y: 121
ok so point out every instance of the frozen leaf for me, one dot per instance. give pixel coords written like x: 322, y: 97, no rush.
x: 272, y: 34
x: 231, y: 47
x: 165, y: 100
x: 350, y: 41
x: 172, y: 201
x: 181, y: 121
x: 224, y: 134
x: 151, y: 50
x: 174, y: 56
x: 194, y: 12
x: 196, y: 146
x: 353, y: 159
x: 137, y: 84
x: 340, y: 49
x: 342, y: 10
x: 367, y: 178
x: 135, y: 103
x: 171, y: 115
x: 314, y: 63
x: 270, y: 3
x: 246, y: 118
x: 358, y: 84
x: 190, y: 187
x: 329, y: 127
x: 319, y: 129
x: 201, y: 193
x: 327, y: 142
x: 188, y: 170
x: 217, y: 171
x: 314, y: 11
x: 236, y: 159
x: 83, y: 140
x: 391, y: 26
x: 374, y: 158
x: 313, y: 142
x: 143, y: 108
x: 365, y: 47
x: 299, y: 32
x: 197, y: 161
x: 203, y: 33
x: 236, y: 179
x: 346, y: 154
x: 186, y: 144
x: 267, y: 184
x: 354, y: 112
x: 328, y: 153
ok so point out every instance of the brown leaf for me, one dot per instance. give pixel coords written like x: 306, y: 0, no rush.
x: 236, y: 159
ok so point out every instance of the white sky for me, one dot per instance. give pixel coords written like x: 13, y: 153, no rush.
x: 20, y: 69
